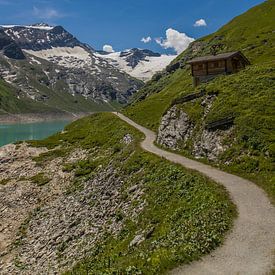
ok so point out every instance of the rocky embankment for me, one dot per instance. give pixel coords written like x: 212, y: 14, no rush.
x: 178, y: 131
x: 49, y: 225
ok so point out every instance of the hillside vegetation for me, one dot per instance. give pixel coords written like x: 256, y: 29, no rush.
x: 248, y: 96
x: 14, y: 102
x: 157, y: 215
x: 10, y: 103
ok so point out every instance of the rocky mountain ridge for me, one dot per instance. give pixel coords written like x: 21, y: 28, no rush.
x: 44, y: 62
x: 41, y: 36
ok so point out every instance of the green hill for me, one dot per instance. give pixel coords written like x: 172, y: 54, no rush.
x: 248, y: 95
x: 59, y: 102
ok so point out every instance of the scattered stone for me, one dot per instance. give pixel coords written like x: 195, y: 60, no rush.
x: 137, y: 240
x: 46, y: 230
x: 127, y: 139
x: 133, y: 188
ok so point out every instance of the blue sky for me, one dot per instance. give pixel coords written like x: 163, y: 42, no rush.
x: 123, y: 23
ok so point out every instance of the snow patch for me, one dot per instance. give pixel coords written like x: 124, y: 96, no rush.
x: 76, y: 57
x: 47, y: 28
x: 145, y: 68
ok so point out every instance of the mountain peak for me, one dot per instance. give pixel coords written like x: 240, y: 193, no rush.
x: 41, y: 24
x: 141, y: 53
x: 41, y: 36
x: 135, y: 55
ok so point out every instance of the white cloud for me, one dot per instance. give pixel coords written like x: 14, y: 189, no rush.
x: 146, y: 39
x: 108, y: 49
x: 200, y: 23
x: 47, y: 13
x: 176, y: 40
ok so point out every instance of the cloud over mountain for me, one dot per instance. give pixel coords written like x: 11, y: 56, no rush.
x: 146, y: 39
x: 176, y: 40
x: 200, y: 23
x: 108, y: 49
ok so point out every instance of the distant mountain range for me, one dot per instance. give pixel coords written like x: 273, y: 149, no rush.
x: 44, y: 63
x: 139, y: 63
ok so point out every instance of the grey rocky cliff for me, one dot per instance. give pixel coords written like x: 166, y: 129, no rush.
x: 209, y: 144
x: 176, y: 129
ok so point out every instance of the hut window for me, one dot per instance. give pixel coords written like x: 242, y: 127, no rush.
x: 214, y: 64
x: 200, y: 66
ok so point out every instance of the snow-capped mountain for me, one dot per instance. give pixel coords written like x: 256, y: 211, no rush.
x: 58, y: 60
x: 41, y: 37
x: 141, y: 64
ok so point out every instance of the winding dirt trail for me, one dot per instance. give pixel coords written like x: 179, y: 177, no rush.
x: 250, y: 246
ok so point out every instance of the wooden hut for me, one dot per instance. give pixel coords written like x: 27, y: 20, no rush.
x: 206, y: 68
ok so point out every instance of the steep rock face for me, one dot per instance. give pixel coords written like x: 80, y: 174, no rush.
x: 175, y: 127
x: 209, y: 144
x: 9, y: 48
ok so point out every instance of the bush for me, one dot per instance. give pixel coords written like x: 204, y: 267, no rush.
x: 40, y: 179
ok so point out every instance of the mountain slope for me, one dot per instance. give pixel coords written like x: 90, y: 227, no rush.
x: 54, y: 64
x: 9, y: 48
x: 141, y: 64
x: 41, y: 36
x: 247, y: 145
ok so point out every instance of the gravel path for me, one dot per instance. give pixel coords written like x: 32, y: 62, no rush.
x: 250, y: 247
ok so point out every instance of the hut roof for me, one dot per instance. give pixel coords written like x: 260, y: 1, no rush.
x: 217, y: 57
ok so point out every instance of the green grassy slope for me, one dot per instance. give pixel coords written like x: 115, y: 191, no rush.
x: 252, y: 33
x: 185, y: 215
x: 247, y: 95
x: 9, y: 103
x: 60, y: 101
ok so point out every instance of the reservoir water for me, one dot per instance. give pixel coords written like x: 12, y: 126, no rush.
x: 10, y: 133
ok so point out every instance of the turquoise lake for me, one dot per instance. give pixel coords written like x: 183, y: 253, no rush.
x: 10, y: 133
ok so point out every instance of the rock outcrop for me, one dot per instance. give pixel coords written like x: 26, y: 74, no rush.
x: 209, y: 144
x: 176, y: 129
x: 9, y: 48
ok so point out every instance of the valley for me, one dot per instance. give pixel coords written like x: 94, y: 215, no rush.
x: 150, y: 165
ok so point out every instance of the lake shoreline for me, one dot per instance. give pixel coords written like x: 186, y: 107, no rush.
x: 39, y: 117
